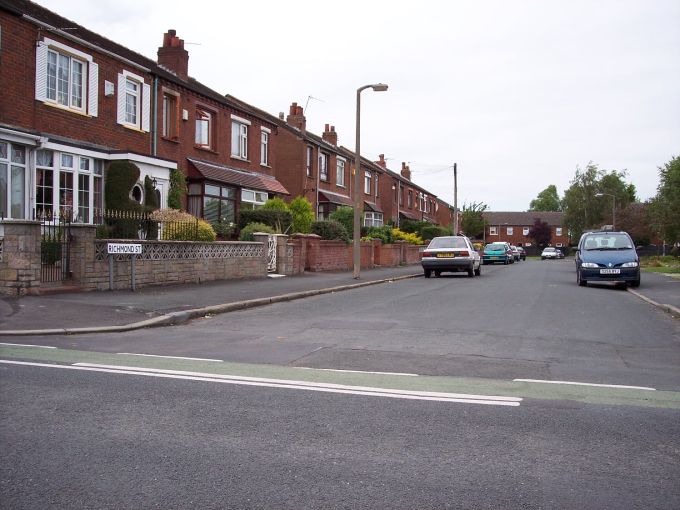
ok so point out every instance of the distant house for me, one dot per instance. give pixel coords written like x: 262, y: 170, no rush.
x: 514, y: 227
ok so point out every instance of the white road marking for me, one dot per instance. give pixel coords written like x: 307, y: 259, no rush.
x: 360, y: 371
x: 286, y: 384
x: 587, y: 384
x: 170, y: 357
x: 28, y: 345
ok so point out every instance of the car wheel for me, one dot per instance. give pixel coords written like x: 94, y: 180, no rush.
x: 437, y: 273
x: 428, y: 273
x: 478, y: 271
x: 505, y: 262
x: 471, y: 271
x: 635, y: 283
x: 579, y: 280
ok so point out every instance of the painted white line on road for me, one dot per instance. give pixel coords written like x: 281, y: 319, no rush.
x: 169, y: 357
x: 28, y: 345
x: 284, y: 384
x: 360, y: 371
x: 587, y: 384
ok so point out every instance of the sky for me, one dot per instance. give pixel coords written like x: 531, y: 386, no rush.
x: 518, y: 93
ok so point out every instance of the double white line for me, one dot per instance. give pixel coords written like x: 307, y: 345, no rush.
x: 285, y: 384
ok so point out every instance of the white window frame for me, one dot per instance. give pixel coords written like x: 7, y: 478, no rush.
x: 373, y: 219
x: 509, y: 230
x: 558, y: 231
x: 239, y: 137
x: 16, y: 186
x: 89, y: 80
x: 493, y: 231
x: 340, y: 172
x: 201, y: 139
x: 257, y: 198
x: 525, y: 231
x: 142, y: 101
x: 323, y: 166
x: 264, y: 146
x: 367, y: 182
x: 310, y: 158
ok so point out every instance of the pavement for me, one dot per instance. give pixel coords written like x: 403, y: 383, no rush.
x: 124, y: 310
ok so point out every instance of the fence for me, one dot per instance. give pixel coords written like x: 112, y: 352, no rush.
x: 112, y: 224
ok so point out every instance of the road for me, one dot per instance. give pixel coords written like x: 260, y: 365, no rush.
x: 414, y: 394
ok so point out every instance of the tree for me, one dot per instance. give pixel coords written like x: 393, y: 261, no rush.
x: 540, y: 233
x: 547, y: 200
x: 665, y: 206
x: 178, y: 189
x: 275, y: 204
x: 472, y: 220
x: 635, y: 219
x: 303, y: 215
x: 583, y: 209
x: 345, y: 216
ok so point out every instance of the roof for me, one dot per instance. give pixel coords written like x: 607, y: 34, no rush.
x: 238, y: 177
x: 335, y: 198
x: 372, y: 206
x: 524, y: 218
x: 409, y: 215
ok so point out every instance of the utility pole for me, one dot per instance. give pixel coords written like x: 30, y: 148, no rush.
x: 455, y: 199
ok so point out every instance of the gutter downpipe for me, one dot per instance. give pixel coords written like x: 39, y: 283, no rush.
x: 154, y: 125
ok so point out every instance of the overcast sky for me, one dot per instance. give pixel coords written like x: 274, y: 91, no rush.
x: 518, y: 93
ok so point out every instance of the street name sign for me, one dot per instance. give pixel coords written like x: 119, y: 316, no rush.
x: 123, y: 248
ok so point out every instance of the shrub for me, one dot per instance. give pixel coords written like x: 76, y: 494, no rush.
x: 302, y: 215
x: 409, y: 237
x: 223, y: 229
x: 181, y: 226
x: 178, y: 188
x: 429, y: 232
x: 279, y: 220
x: 275, y: 204
x: 330, y: 230
x: 247, y: 232
x: 412, y: 226
x: 382, y: 233
x: 345, y: 216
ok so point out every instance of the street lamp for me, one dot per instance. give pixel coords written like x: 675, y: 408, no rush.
x: 397, y: 187
x: 613, y: 207
x: 356, y: 238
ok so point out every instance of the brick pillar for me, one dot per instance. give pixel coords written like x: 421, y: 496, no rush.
x: 82, y: 251
x: 19, y: 257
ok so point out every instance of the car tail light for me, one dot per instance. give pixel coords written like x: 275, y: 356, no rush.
x: 428, y: 254
x: 464, y: 253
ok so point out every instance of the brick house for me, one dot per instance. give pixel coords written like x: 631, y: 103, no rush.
x: 514, y: 227
x: 84, y: 101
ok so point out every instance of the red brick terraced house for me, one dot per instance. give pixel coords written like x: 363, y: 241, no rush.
x: 74, y: 101
x: 514, y: 227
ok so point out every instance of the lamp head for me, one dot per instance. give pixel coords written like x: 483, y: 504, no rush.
x: 379, y: 87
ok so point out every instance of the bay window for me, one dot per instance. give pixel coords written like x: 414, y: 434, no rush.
x: 12, y: 180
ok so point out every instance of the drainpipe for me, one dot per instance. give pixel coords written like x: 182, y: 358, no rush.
x: 154, y: 123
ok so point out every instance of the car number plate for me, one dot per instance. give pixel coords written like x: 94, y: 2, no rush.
x: 495, y: 258
x: 445, y: 255
x: 610, y: 271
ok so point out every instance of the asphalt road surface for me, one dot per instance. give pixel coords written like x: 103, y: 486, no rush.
x: 425, y: 393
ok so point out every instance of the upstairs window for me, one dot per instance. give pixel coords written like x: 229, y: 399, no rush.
x: 134, y: 101
x: 525, y: 231
x: 170, y: 117
x: 493, y: 231
x: 367, y: 182
x: 510, y: 230
x: 264, y: 147
x: 204, y: 120
x: 340, y: 173
x: 558, y: 231
x: 323, y: 166
x: 310, y: 158
x: 66, y: 77
x: 239, y: 137
x: 410, y: 199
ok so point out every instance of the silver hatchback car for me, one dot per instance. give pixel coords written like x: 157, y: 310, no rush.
x: 453, y: 254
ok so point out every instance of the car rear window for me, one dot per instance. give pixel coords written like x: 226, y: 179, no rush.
x: 447, y: 242
x: 495, y: 246
x: 607, y: 241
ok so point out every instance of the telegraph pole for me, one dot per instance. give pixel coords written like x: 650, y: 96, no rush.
x: 455, y: 199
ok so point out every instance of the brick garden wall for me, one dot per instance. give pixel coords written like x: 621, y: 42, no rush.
x: 19, y: 257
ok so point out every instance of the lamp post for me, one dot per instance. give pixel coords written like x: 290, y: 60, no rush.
x: 613, y: 207
x: 397, y: 187
x: 356, y: 238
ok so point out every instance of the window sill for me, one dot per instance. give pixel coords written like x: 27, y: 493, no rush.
x: 265, y: 166
x: 205, y: 149
x: 238, y: 158
x: 341, y: 186
x: 63, y: 108
x: 133, y: 128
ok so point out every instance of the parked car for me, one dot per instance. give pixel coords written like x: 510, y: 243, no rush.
x: 560, y: 253
x: 515, y: 252
x: 497, y: 252
x: 550, y: 253
x: 451, y: 253
x: 522, y: 253
x: 607, y: 257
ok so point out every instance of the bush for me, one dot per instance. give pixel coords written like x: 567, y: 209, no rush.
x: 302, y: 214
x: 279, y: 220
x: 409, y: 237
x: 344, y: 216
x: 181, y: 226
x: 247, y: 232
x: 223, y: 229
x: 330, y: 230
x: 178, y: 188
x: 275, y: 204
x: 429, y: 232
x: 382, y: 233
x: 412, y: 226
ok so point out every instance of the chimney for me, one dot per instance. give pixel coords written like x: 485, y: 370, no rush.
x: 173, y: 56
x: 330, y: 136
x: 381, y: 162
x: 296, y: 118
x: 405, y: 171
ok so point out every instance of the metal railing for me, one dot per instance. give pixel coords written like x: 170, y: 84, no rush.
x: 113, y: 224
